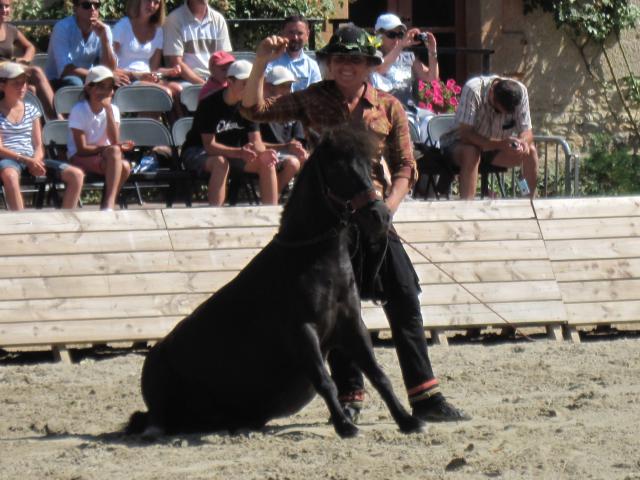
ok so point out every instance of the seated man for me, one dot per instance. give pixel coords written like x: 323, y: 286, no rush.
x: 493, y: 125
x: 286, y: 138
x: 192, y: 32
x: 77, y: 44
x: 221, y: 138
x: 305, y: 69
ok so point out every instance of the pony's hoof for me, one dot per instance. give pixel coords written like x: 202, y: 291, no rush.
x: 411, y: 425
x: 347, y: 430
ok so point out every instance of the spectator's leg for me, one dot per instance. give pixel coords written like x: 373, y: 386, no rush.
x: 73, y: 179
x: 178, y: 112
x: 268, y: 181
x: 529, y: 164
x: 218, y: 167
x: 113, y: 167
x: 290, y: 166
x: 10, y: 178
x: 467, y: 157
x: 43, y: 91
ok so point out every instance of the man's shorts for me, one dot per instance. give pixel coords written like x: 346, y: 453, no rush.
x: 194, y: 159
x: 485, y: 157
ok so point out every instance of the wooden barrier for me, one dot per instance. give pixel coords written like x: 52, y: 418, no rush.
x: 94, y: 277
x: 594, y: 247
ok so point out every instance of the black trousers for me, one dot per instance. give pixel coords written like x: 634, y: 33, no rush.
x: 401, y: 289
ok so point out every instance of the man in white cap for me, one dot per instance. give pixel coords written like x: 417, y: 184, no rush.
x: 221, y: 139
x: 192, y: 32
x: 304, y: 68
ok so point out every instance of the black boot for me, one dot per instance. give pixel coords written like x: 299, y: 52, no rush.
x: 437, y: 409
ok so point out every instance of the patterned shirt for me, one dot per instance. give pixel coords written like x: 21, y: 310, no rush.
x: 18, y: 137
x: 322, y: 106
x: 475, y: 110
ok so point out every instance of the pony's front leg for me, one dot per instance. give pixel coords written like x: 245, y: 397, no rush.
x: 357, y: 342
x: 311, y: 357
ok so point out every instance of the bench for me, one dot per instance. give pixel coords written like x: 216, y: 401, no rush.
x: 70, y: 277
x: 594, y: 248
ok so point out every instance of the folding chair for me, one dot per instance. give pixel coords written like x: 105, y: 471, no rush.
x: 189, y: 97
x: 65, y: 98
x: 29, y: 97
x: 143, y: 99
x: 39, y: 60
x: 147, y: 133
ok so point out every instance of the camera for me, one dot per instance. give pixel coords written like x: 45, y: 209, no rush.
x: 515, y: 145
x: 421, y: 37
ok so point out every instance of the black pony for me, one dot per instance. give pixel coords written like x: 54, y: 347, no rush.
x: 255, y: 350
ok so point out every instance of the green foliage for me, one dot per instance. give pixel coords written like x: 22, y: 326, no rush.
x: 593, y: 19
x: 611, y: 169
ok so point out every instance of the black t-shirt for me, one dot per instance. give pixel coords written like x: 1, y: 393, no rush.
x: 214, y: 116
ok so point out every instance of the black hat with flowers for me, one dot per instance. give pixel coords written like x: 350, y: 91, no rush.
x: 352, y: 40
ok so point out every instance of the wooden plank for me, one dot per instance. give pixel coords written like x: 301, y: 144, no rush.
x: 207, y: 238
x: 476, y: 315
x: 590, y: 228
x: 493, y: 271
x: 113, y: 285
x: 593, y: 249
x: 587, y: 207
x: 554, y: 332
x: 224, y: 259
x: 215, y: 217
x: 604, y: 290
x: 468, y: 231
x: 61, y: 354
x: 595, y: 313
x: 478, y: 251
x: 571, y: 333
x: 101, y: 307
x: 490, y: 292
x: 86, y: 331
x: 85, y: 242
x: 580, y: 270
x: 87, y: 264
x: 59, y: 221
x: 436, y: 211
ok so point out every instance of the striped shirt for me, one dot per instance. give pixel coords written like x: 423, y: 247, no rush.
x: 18, y: 137
x: 474, y: 110
x: 322, y: 106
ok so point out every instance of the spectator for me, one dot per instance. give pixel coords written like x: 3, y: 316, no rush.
x: 286, y: 138
x: 221, y: 138
x: 219, y: 64
x: 401, y: 69
x: 94, y: 137
x: 21, y: 147
x: 305, y: 69
x: 137, y: 42
x: 14, y: 40
x: 78, y: 43
x: 492, y: 125
x: 350, y: 99
x: 192, y: 32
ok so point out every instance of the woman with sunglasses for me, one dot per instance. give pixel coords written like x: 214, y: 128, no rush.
x: 94, y: 135
x: 137, y: 41
x: 12, y: 41
x: 21, y: 148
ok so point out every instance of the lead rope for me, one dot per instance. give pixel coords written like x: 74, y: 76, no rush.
x: 491, y: 309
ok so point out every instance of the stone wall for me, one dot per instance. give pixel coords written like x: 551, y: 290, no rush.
x: 565, y: 100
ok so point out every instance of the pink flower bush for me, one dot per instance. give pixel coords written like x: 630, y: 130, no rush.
x: 438, y: 96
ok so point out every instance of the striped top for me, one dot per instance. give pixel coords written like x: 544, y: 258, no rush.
x: 474, y: 110
x: 18, y: 136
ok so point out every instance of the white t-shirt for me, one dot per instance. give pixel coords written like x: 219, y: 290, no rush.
x: 133, y: 55
x: 93, y: 125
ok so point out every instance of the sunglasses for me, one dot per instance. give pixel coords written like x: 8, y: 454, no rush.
x: 393, y: 35
x: 90, y: 5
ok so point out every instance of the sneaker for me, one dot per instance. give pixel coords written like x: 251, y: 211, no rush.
x: 437, y: 409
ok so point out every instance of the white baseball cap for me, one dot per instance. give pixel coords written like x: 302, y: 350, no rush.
x: 11, y: 70
x: 98, y: 74
x: 279, y: 75
x: 388, y: 21
x: 240, y: 69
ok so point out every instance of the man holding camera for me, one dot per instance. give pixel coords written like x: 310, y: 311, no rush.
x: 492, y: 125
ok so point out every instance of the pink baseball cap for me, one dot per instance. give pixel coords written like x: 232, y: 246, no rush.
x: 221, y: 58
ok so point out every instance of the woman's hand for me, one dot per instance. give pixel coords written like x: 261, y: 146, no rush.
x: 35, y: 167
